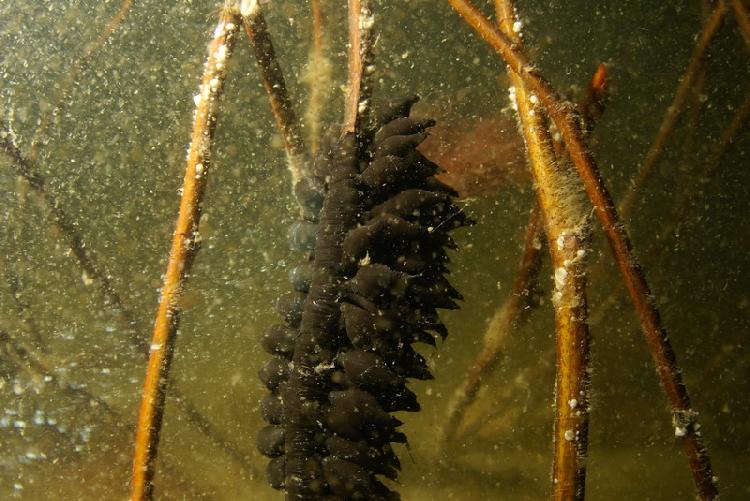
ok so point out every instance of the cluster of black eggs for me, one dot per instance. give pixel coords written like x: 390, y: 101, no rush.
x: 369, y: 290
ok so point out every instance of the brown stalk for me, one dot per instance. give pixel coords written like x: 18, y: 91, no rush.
x: 184, y: 247
x: 568, y: 243
x: 562, y: 114
x: 673, y: 111
x: 360, y: 65
x: 594, y: 100
x: 505, y: 319
x: 518, y: 306
x: 743, y: 19
x: 688, y: 198
x: 64, y: 91
x: 318, y: 78
x: 26, y: 168
x: 275, y: 85
x: 566, y: 226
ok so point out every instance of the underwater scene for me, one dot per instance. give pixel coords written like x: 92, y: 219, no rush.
x: 407, y: 249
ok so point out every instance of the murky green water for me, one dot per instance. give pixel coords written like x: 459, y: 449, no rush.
x: 70, y: 379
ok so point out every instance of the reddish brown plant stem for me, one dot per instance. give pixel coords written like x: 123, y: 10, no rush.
x: 518, y: 306
x: 656, y: 337
x: 275, y: 85
x: 360, y: 65
x: 317, y: 13
x: 595, y: 98
x: 673, y: 111
x: 505, y: 319
x: 318, y: 78
x: 184, y: 247
x: 566, y: 227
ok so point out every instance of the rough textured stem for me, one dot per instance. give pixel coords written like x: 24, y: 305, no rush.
x: 560, y: 199
x: 65, y: 87
x: 275, y: 85
x: 673, y: 111
x: 567, y: 236
x: 656, y: 337
x: 505, y: 319
x: 360, y: 64
x: 592, y: 104
x: 184, y: 247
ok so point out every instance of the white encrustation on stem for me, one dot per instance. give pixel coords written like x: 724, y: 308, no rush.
x: 565, y: 219
x: 184, y: 247
x: 564, y: 117
x: 359, y: 86
x: 273, y: 80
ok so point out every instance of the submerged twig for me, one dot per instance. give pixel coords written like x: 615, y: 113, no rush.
x: 562, y: 114
x: 185, y: 243
x: 505, y: 319
x: 275, y: 85
x: 26, y: 168
x: 565, y: 221
x: 670, y: 117
x: 594, y: 99
x: 359, y: 86
x: 318, y: 77
x: 65, y: 87
x: 517, y: 307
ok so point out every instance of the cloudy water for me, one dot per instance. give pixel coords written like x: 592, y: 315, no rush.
x: 97, y: 103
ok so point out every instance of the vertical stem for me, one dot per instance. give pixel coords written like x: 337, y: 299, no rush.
x: 360, y: 65
x: 184, y: 247
x: 684, y: 418
x: 517, y: 306
x: 566, y: 225
x: 318, y: 78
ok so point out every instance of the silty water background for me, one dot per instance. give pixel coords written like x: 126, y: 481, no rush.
x: 70, y: 378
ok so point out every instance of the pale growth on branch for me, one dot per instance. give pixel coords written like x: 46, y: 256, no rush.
x: 249, y: 8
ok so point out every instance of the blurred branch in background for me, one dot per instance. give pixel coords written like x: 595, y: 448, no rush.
x: 710, y: 27
x: 65, y: 88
